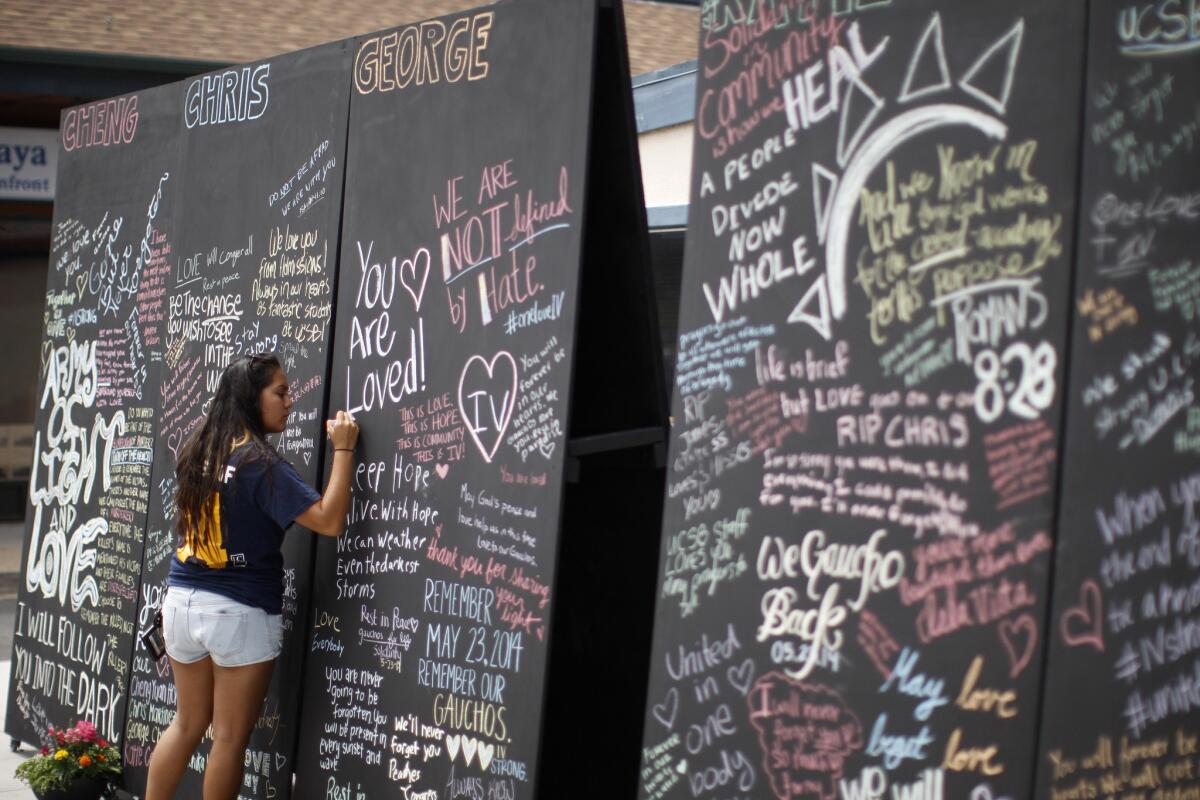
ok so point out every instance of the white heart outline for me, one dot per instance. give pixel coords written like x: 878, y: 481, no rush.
x: 486, y: 751
x: 452, y: 746
x: 174, y: 442
x: 512, y: 403
x: 411, y: 263
x: 469, y: 743
x: 735, y: 675
x: 665, y: 711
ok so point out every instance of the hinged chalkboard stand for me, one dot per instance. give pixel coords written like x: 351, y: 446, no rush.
x: 859, y: 513
x: 1120, y: 712
x: 601, y: 630
x: 105, y: 331
x: 254, y: 270
x: 511, y: 465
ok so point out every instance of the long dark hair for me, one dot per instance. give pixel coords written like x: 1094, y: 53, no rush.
x: 235, y: 416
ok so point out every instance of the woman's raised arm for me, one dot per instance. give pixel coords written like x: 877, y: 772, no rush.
x: 327, y: 516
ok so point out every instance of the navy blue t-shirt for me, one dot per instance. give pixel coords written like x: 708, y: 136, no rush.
x: 258, y: 502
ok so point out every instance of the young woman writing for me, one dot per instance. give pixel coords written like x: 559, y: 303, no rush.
x: 222, y: 614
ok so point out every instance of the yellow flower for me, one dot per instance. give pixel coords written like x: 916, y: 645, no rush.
x: 60, y: 755
x: 85, y: 761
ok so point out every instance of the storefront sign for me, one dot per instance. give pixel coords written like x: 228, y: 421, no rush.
x: 28, y: 157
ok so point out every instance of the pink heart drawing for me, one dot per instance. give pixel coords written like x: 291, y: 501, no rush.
x: 442, y: 470
x: 174, y: 442
x: 481, y: 385
x: 416, y: 286
x: 1083, y: 624
x: 163, y: 668
x: 1010, y: 635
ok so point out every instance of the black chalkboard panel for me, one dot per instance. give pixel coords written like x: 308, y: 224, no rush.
x: 112, y: 244
x: 254, y: 271
x: 1122, y: 709
x: 454, y: 348
x: 600, y: 636
x: 853, y: 572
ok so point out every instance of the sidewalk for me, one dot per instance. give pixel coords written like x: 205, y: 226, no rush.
x: 10, y: 787
x: 10, y: 556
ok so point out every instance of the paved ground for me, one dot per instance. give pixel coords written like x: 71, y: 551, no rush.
x: 10, y: 557
x: 11, y: 536
x: 10, y: 787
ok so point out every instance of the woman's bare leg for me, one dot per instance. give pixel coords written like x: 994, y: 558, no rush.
x: 238, y: 694
x: 193, y: 712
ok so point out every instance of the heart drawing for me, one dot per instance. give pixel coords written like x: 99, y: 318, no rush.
x: 486, y: 751
x: 468, y: 748
x: 174, y: 442
x: 1019, y: 638
x: 741, y: 677
x: 665, y: 711
x: 1083, y: 624
x: 442, y: 470
x: 163, y: 668
x: 414, y: 272
x: 487, y: 393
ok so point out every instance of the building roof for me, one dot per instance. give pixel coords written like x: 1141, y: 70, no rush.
x: 233, y: 31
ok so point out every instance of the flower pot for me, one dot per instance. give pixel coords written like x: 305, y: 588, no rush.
x: 80, y: 789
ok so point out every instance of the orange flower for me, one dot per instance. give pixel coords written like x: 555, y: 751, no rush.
x: 100, y: 757
x: 85, y: 761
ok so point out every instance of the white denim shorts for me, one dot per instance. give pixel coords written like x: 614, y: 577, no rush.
x: 197, y: 623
